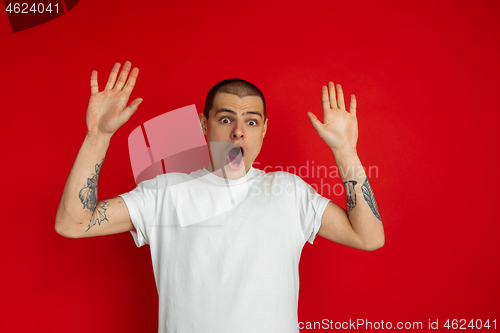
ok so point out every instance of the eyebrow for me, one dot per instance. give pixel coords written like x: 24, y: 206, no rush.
x: 234, y: 113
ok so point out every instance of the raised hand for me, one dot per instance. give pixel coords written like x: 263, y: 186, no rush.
x: 108, y: 109
x: 339, y: 128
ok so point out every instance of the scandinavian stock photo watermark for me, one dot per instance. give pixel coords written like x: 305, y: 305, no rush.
x: 322, y: 178
x: 224, y: 195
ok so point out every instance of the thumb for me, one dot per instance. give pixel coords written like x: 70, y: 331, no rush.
x: 315, y: 122
x: 130, y: 110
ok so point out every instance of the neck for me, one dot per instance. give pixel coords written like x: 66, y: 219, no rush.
x: 227, y: 172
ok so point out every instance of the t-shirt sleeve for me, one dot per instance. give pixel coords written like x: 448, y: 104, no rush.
x: 311, y: 208
x: 141, y: 205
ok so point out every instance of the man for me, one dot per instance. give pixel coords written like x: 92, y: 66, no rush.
x: 225, y: 240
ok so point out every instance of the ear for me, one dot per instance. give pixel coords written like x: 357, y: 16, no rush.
x: 203, y: 123
x: 265, y: 128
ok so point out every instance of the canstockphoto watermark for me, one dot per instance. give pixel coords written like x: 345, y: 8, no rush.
x: 327, y: 324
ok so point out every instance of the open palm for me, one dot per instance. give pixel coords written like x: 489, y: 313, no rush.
x: 339, y: 128
x: 108, y: 109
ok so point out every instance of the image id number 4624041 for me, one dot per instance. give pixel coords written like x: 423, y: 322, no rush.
x: 463, y: 324
x: 25, y: 8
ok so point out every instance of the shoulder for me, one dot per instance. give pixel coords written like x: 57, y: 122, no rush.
x: 282, y: 176
x: 163, y: 181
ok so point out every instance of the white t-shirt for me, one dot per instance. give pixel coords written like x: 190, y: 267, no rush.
x: 225, y: 253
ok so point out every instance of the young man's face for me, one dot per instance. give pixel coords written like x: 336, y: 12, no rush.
x: 233, y: 122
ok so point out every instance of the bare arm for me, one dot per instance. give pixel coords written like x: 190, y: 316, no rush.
x: 361, y: 226
x: 79, y: 213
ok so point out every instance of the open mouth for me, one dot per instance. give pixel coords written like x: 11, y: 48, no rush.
x: 235, y: 155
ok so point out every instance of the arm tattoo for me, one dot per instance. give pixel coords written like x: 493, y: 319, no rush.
x: 370, y: 198
x: 350, y: 191
x: 88, y: 197
x: 99, y: 214
x: 88, y: 194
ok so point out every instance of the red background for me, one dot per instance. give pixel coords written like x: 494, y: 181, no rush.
x: 426, y: 78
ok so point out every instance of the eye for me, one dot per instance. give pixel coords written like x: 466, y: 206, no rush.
x: 225, y: 120
x: 252, y: 123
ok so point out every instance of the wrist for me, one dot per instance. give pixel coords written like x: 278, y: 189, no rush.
x: 342, y: 153
x: 348, y: 162
x: 98, y: 138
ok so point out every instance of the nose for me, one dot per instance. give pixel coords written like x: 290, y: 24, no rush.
x: 237, y: 132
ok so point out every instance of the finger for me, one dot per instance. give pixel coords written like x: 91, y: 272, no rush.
x: 315, y: 122
x: 340, y: 97
x: 324, y: 98
x: 130, y: 110
x: 129, y: 86
x: 112, y: 76
x: 123, y: 75
x: 94, y: 86
x: 333, y: 100
x: 352, y: 105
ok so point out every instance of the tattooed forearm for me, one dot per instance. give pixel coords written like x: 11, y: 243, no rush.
x: 350, y: 190
x: 99, y: 214
x: 370, y: 198
x: 88, y: 194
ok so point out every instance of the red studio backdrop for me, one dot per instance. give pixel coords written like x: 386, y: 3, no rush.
x: 425, y: 75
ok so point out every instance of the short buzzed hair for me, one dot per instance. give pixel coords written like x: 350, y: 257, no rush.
x: 238, y: 87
